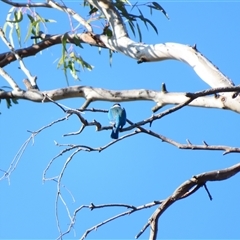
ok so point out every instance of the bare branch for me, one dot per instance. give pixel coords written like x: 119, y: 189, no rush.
x: 92, y: 207
x: 22, y: 65
x: 59, y: 190
x: 200, y: 179
x: 190, y: 146
x: 53, y: 4
x: 183, y: 191
x: 20, y: 152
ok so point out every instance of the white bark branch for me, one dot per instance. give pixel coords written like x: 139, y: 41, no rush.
x: 158, y: 52
x: 91, y: 94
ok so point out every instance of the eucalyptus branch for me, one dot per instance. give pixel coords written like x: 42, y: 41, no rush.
x: 49, y: 41
x: 186, y: 189
x: 161, y: 98
x: 113, y: 17
x: 200, y: 179
x: 93, y: 207
x: 121, y: 42
x: 157, y: 52
x: 189, y: 145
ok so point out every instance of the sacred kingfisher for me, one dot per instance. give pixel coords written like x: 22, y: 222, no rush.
x: 118, y: 116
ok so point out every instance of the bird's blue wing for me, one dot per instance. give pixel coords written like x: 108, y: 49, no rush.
x: 110, y: 117
x: 114, y: 113
x: 123, y: 117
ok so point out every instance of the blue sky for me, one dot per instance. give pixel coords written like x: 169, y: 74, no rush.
x: 139, y: 169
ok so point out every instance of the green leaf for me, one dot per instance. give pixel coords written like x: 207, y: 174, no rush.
x: 132, y: 27
x: 134, y: 5
x: 142, y: 18
x: 11, y: 25
x: 93, y: 10
x: 60, y: 62
x: 31, y: 18
x: 139, y: 33
x: 7, y: 22
x: 50, y: 20
x: 18, y: 31
x: 5, y: 27
x: 18, y: 17
x: 159, y: 7
x: 64, y: 42
x: 85, y: 3
x: 65, y: 67
x: 64, y: 49
x: 83, y: 63
x: 110, y: 56
x: 73, y: 70
x: 108, y: 32
x: 40, y: 18
x: 150, y: 7
x: 29, y: 32
x: 153, y: 26
x: 8, y: 101
x: 44, y: 20
x: 14, y: 100
x: 30, y: 28
x: 120, y: 6
x: 77, y: 41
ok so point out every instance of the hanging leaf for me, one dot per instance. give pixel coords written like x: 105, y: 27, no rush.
x: 134, y: 5
x: 18, y: 18
x: 14, y: 100
x: 44, y: 20
x: 110, y: 57
x: 64, y: 43
x: 83, y: 63
x: 132, y: 27
x: 153, y: 26
x: 77, y: 41
x: 139, y: 33
x: 93, y: 10
x: 8, y: 102
x: 73, y: 71
x: 108, y: 32
x: 142, y: 18
x: 159, y: 7
x: 30, y: 28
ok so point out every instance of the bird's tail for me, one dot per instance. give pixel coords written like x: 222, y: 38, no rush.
x: 114, y: 133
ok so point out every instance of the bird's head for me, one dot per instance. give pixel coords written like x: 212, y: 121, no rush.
x: 116, y: 105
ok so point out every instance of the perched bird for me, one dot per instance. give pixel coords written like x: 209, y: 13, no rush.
x: 118, y: 116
